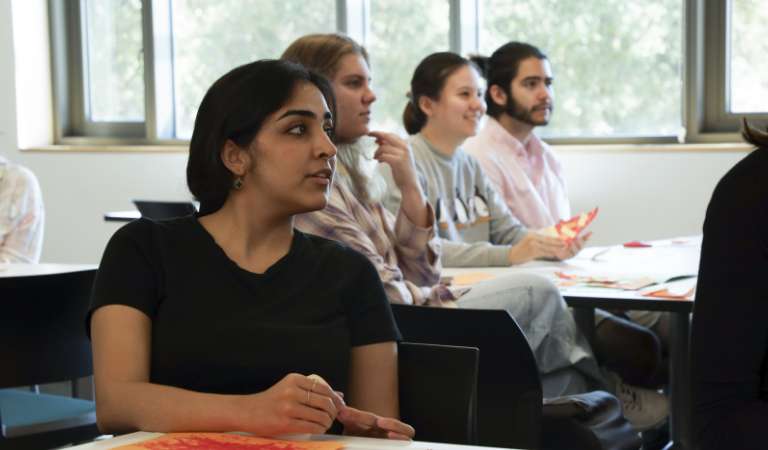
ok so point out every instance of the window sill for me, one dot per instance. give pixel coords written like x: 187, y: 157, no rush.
x: 96, y: 148
x: 580, y: 148
x: 730, y: 147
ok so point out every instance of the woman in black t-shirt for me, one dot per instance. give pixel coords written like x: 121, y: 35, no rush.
x: 211, y: 322
x: 729, y: 340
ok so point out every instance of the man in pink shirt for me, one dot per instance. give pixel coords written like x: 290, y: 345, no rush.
x: 528, y: 176
x: 521, y: 166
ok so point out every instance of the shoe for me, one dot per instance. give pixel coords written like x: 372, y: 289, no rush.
x: 643, y: 408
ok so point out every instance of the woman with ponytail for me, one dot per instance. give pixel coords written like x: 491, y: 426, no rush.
x: 404, y: 244
x: 445, y: 107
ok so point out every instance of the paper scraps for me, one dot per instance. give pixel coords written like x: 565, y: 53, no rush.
x: 630, y: 284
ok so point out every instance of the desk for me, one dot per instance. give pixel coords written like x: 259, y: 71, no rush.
x: 663, y: 260
x: 121, y: 216
x: 30, y: 270
x: 351, y: 443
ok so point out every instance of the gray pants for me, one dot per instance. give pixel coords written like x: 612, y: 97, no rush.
x: 562, y: 353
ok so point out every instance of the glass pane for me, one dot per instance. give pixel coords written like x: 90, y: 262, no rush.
x: 400, y: 37
x: 617, y: 63
x: 213, y: 37
x: 749, y: 61
x: 114, y: 61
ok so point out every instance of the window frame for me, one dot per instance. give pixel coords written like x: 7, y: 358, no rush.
x: 717, y: 117
x: 704, y: 70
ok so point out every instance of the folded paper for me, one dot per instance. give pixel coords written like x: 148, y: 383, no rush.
x: 568, y: 230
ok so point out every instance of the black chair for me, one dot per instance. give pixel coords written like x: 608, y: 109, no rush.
x: 163, y: 210
x: 438, y: 390
x: 509, y: 394
x: 43, y: 340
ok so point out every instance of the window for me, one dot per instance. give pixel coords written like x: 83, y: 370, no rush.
x: 134, y: 71
x: 748, y: 64
x: 114, y: 63
x: 394, y: 25
x: 617, y: 65
x: 211, y: 38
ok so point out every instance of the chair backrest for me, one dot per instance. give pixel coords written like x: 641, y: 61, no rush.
x: 42, y: 328
x: 163, y: 210
x: 438, y: 390
x: 509, y: 388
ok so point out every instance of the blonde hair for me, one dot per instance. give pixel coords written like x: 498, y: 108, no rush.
x: 323, y: 53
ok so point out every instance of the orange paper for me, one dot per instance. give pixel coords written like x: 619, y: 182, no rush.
x: 468, y: 279
x: 225, y: 441
x: 666, y: 293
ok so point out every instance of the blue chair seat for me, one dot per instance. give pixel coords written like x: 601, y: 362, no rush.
x: 24, y: 413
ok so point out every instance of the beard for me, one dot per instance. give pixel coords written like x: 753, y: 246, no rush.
x: 525, y: 115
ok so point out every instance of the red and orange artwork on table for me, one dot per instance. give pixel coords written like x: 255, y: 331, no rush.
x: 225, y: 441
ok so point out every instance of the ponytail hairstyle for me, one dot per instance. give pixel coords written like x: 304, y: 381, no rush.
x: 754, y: 136
x: 428, y: 80
x: 482, y: 63
x: 501, y: 68
x: 234, y: 108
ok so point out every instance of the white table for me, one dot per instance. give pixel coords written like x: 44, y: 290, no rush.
x: 351, y: 443
x: 663, y: 260
x: 27, y: 270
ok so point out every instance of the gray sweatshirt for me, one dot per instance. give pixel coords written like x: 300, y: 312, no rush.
x: 476, y: 227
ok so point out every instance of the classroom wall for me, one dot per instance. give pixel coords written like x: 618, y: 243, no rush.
x: 641, y: 194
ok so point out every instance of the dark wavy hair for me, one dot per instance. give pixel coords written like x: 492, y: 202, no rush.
x: 753, y: 136
x: 428, y: 80
x: 501, y: 68
x: 235, y: 108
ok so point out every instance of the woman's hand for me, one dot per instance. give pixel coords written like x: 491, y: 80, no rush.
x: 363, y: 423
x: 536, y: 245
x: 295, y: 404
x: 395, y: 151
x: 575, y: 247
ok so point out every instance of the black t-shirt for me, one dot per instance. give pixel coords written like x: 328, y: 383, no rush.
x: 730, y: 321
x: 218, y: 328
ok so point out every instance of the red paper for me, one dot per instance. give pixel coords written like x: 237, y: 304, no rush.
x: 636, y: 244
x: 225, y: 441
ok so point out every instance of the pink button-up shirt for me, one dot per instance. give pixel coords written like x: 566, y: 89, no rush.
x: 528, y: 177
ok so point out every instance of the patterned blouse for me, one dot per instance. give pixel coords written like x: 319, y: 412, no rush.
x: 21, y: 215
x: 406, y: 256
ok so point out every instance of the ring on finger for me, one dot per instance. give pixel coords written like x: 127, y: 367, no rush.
x: 311, y: 389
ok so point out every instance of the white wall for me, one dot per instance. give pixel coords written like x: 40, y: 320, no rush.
x: 641, y: 195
